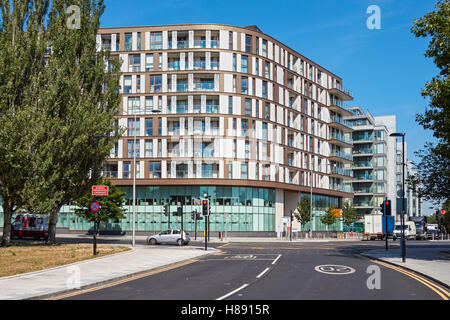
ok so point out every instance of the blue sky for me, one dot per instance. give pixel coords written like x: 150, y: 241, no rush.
x: 384, y: 69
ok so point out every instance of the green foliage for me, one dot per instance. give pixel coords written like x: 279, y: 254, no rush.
x: 303, y: 212
x: 434, y: 166
x: 329, y: 218
x: 349, y: 214
x: 111, y: 206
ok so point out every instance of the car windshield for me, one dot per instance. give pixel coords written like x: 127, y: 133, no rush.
x: 399, y: 227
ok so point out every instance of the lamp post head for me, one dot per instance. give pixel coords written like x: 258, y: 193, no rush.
x: 397, y: 134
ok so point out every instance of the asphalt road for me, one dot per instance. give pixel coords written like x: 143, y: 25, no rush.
x: 275, y: 271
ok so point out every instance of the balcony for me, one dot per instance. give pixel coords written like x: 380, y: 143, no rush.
x: 342, y: 188
x: 173, y: 66
x: 339, y: 123
x: 341, y: 172
x: 210, y: 173
x: 340, y: 139
x: 182, y: 44
x: 200, y: 65
x: 203, y: 86
x: 182, y: 87
x: 110, y: 174
x: 214, y: 43
x: 341, y: 155
x: 199, y: 43
x: 362, y: 178
x: 339, y: 91
x: 214, y: 108
x: 364, y: 152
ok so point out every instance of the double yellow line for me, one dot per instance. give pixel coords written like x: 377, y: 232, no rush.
x: 443, y: 293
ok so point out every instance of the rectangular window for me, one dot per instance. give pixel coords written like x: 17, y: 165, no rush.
x: 126, y: 170
x: 267, y: 69
x: 264, y: 89
x: 257, y: 66
x: 128, y: 41
x: 127, y: 84
x: 267, y: 111
x: 154, y: 169
x: 159, y: 129
x: 248, y: 43
x: 244, y: 85
x: 230, y: 105
x: 244, y: 64
x: 133, y: 127
x: 138, y: 84
x: 148, y: 104
x: 149, y: 62
x: 134, y: 63
x: 248, y: 107
x: 264, y: 131
x: 132, y: 149
x: 134, y: 105
x: 148, y: 148
x: 244, y: 170
x: 155, y: 83
x: 234, y: 62
x: 247, y: 149
x: 234, y: 84
x: 155, y: 40
x: 139, y: 41
x: 264, y: 48
x: 149, y: 127
x: 244, y: 127
x: 230, y: 40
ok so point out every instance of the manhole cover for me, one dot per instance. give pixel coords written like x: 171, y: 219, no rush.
x: 334, y: 269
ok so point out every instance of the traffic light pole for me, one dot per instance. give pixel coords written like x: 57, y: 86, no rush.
x: 290, y: 228
x: 386, y: 225
x: 206, y: 231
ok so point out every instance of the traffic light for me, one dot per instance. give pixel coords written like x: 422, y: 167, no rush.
x: 199, y: 217
x: 205, y: 207
x: 292, y: 216
x: 166, y: 210
x: 179, y: 212
x: 387, y: 205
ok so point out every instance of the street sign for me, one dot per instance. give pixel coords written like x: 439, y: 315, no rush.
x: 285, y: 219
x: 100, y: 190
x: 197, y: 201
x: 95, y: 206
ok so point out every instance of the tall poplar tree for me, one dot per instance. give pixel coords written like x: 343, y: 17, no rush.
x: 80, y: 100
x: 22, y: 48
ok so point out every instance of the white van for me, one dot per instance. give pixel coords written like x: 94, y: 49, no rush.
x: 410, y: 231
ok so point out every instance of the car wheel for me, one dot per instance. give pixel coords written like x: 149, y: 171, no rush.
x: 180, y: 242
x: 152, y: 242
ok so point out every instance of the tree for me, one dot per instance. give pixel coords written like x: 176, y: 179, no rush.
x: 329, y: 218
x: 22, y: 49
x: 349, y: 214
x: 303, y: 213
x: 435, y: 158
x: 79, y: 100
x: 111, y: 206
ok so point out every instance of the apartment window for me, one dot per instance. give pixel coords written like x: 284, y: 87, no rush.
x: 128, y: 41
x: 126, y: 170
x: 132, y: 148
x: 148, y: 148
x: 155, y: 83
x: 244, y: 127
x: 134, y: 63
x: 134, y: 105
x: 264, y: 48
x: 234, y: 62
x: 244, y: 170
x: 267, y: 111
x: 230, y: 171
x: 267, y: 172
x: 159, y: 127
x: 230, y: 40
x: 257, y: 45
x: 257, y: 109
x: 160, y: 61
x: 155, y: 40
x: 154, y: 169
x: 244, y: 64
x: 257, y: 66
x: 264, y: 151
x: 244, y: 85
x: 267, y: 69
x: 264, y: 89
x: 148, y: 104
x: 264, y: 131
x: 234, y: 148
x: 127, y: 84
x: 230, y: 105
x: 139, y: 41
x: 138, y: 84
x: 234, y: 84
x: 133, y: 127
x: 149, y: 127
x: 248, y: 43
x: 149, y: 62
x: 118, y: 42
x: 248, y: 107
x: 254, y: 87
x: 247, y: 149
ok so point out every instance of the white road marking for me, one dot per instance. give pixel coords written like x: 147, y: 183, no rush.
x: 275, y: 261
x: 232, y: 292
x: 261, y: 274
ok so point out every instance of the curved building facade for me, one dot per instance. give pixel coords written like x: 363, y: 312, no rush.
x: 231, y: 112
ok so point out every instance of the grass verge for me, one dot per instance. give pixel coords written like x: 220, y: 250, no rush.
x: 33, y: 256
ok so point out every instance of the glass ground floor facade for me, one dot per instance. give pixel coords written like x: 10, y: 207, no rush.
x: 234, y: 209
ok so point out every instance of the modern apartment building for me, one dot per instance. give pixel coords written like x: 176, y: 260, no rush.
x: 374, y: 161
x: 230, y: 112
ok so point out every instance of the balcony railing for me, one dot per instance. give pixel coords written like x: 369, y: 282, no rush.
x: 364, y: 151
x: 110, y: 174
x: 341, y: 171
x: 340, y: 137
x: 364, y: 177
x: 182, y: 44
x: 200, y: 65
x: 212, y: 109
x: 342, y: 187
x: 200, y: 43
x: 368, y: 164
x: 341, y: 154
x: 214, y: 43
x: 182, y: 87
x: 203, y: 86
x: 341, y: 121
x: 214, y: 65
x: 173, y: 66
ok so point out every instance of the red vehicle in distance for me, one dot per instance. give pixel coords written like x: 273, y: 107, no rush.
x: 30, y: 226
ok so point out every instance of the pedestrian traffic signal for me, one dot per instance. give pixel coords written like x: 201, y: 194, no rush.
x: 179, y: 212
x: 166, y: 210
x: 205, y: 207
x: 199, y: 217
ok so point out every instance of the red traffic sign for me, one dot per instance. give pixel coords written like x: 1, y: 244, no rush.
x: 443, y: 211
x: 100, y: 190
x: 95, y: 206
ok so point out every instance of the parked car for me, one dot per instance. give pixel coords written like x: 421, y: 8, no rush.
x: 169, y: 236
x: 30, y: 226
x: 410, y: 231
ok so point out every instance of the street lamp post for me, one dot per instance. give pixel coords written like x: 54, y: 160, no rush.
x: 402, y: 216
x: 311, y: 197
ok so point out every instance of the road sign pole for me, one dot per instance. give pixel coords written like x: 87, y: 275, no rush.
x: 95, y: 212
x: 195, y: 212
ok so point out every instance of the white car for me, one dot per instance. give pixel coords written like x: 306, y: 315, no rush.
x: 410, y: 231
x: 169, y: 236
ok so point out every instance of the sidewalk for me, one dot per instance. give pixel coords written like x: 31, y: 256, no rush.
x: 431, y: 262
x: 96, y: 271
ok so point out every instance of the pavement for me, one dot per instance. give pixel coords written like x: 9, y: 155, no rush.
x: 97, y: 271
x: 433, y: 262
